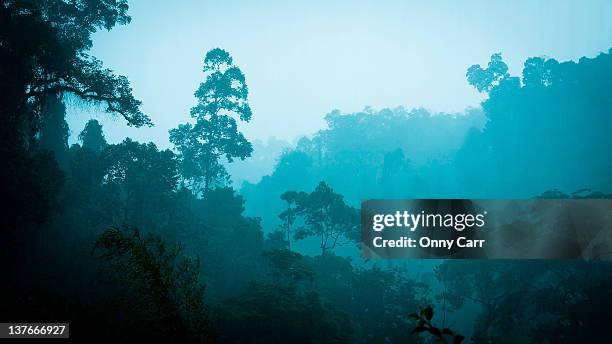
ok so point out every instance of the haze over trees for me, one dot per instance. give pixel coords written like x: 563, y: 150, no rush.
x: 557, y: 110
x: 327, y: 217
x: 43, y: 52
x: 215, y: 133
x: 132, y: 243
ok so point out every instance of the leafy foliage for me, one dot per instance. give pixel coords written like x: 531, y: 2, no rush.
x: 289, y: 215
x: 280, y: 314
x: 484, y: 80
x: 61, y: 201
x: 423, y: 324
x: 288, y: 267
x: 92, y: 136
x: 162, y: 286
x: 555, y: 110
x: 326, y: 216
x: 138, y: 177
x: 45, y: 43
x: 43, y: 55
x: 215, y: 133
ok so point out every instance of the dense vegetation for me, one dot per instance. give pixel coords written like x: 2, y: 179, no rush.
x: 131, y: 243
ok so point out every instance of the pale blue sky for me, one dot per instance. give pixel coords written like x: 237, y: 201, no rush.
x: 303, y: 59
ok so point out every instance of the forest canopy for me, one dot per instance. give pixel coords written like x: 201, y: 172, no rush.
x: 132, y: 242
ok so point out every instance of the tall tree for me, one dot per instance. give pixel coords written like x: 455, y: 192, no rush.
x: 44, y: 48
x: 326, y: 216
x: 222, y: 98
x: 45, y: 43
x: 92, y: 136
x: 289, y: 215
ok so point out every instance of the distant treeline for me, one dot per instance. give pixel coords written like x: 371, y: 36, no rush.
x: 549, y: 129
x: 130, y: 243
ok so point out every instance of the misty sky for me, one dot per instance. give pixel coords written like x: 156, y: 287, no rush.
x: 301, y: 60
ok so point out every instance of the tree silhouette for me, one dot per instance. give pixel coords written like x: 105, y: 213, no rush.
x: 221, y: 98
x: 43, y: 54
x: 138, y: 177
x: 538, y: 71
x: 92, y: 136
x: 289, y: 215
x: 485, y: 79
x: 424, y: 324
x: 45, y: 43
x: 326, y: 216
